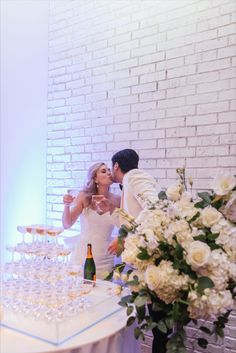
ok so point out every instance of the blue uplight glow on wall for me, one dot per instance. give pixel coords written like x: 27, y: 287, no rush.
x: 24, y: 64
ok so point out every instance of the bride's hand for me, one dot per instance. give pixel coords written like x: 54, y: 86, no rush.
x: 103, y: 205
x: 68, y: 199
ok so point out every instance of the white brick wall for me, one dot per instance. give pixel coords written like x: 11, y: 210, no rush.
x: 156, y: 76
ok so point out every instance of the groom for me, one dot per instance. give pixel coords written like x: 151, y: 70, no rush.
x: 136, y: 181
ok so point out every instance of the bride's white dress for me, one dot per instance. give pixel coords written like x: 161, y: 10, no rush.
x: 95, y: 229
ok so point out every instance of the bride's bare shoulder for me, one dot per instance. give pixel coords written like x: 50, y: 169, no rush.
x: 82, y: 198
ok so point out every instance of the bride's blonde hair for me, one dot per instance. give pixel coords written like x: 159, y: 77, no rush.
x: 91, y: 187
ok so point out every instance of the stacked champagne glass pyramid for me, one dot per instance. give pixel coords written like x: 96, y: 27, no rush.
x: 42, y: 293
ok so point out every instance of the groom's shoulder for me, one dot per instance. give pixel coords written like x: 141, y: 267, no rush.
x: 137, y: 173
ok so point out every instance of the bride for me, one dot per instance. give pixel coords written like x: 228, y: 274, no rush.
x: 96, y: 227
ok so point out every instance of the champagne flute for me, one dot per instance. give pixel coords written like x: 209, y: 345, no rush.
x: 96, y: 199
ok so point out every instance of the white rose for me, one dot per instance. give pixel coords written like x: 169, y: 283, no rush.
x: 223, y: 183
x: 198, y: 254
x: 131, y: 250
x: 178, y: 227
x: 221, y: 226
x: 174, y: 192
x: 210, y: 216
x: 185, y: 239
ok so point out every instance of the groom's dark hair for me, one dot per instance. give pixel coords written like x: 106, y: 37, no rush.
x: 127, y: 159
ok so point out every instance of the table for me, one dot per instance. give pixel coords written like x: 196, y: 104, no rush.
x: 108, y: 336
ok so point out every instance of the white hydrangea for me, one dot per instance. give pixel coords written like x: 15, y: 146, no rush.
x: 185, y: 239
x: 173, y: 212
x: 155, y: 220
x: 209, y: 305
x: 132, y: 242
x: 140, y: 275
x: 166, y: 281
x: 219, y: 269
x: 186, y: 208
x: 182, y: 231
x: 151, y: 242
x: 226, y: 238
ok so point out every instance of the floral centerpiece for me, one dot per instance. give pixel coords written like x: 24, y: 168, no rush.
x: 180, y: 256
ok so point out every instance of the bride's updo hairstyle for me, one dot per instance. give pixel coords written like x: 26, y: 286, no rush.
x: 91, y: 187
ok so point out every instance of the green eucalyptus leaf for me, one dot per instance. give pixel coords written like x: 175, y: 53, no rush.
x: 205, y: 196
x: 219, y: 331
x: 140, y: 300
x: 162, y: 327
x: 129, y: 310
x: 109, y: 276
x: 202, y: 342
x: 133, y: 282
x: 157, y: 306
x: 196, y: 216
x: 201, y: 204
x: 205, y: 329
x: 141, y: 310
x: 143, y: 255
x: 169, y: 322
x: 217, y: 204
x: 123, y: 304
x: 126, y: 299
x: 201, y: 237
x: 214, y: 246
x: 151, y: 326
x: 176, y: 344
x: 212, y: 236
x: 204, y: 282
x: 178, y: 251
x: 142, y: 292
x: 176, y: 311
x: 138, y: 333
x: 162, y: 195
x: 130, y: 321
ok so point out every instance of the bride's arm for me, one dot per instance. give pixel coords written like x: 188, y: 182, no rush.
x: 73, y: 207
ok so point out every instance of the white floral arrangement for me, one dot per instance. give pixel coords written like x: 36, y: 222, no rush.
x: 181, y: 255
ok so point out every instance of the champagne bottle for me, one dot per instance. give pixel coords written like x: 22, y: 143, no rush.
x: 89, y: 266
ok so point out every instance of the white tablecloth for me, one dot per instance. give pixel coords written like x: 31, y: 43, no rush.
x: 109, y: 336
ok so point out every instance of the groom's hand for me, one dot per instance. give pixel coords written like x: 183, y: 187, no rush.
x: 113, y: 246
